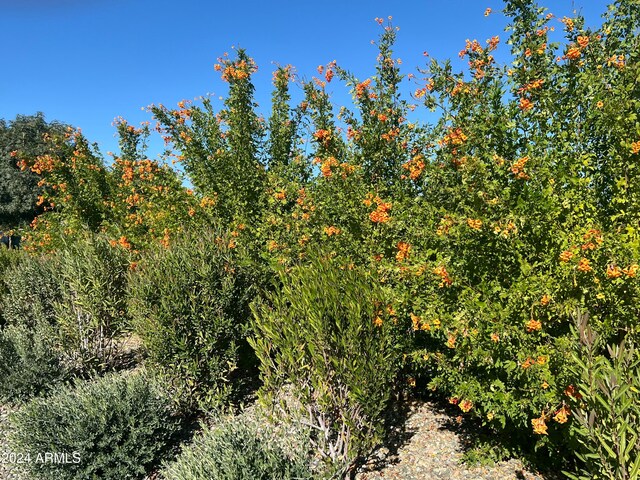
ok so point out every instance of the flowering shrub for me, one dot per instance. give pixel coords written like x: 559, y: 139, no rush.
x: 487, y: 229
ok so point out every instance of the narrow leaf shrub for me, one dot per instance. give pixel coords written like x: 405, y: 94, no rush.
x: 190, y: 308
x: 91, y: 312
x: 607, y: 407
x: 236, y: 449
x: 326, y: 333
x: 115, y: 427
x: 30, y: 362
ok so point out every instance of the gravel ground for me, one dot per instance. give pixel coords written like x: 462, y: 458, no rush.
x: 7, y: 470
x: 432, y: 450
x: 426, y: 448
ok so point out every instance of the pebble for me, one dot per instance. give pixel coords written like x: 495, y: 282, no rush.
x: 434, y: 452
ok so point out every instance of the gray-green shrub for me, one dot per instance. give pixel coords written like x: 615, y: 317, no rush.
x: 326, y: 334
x: 30, y: 362
x: 189, y: 305
x: 119, y: 426
x: 32, y: 291
x: 236, y: 449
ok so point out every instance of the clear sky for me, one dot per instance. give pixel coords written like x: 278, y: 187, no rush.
x: 85, y: 62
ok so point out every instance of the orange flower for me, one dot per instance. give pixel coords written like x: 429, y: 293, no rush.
x: 331, y: 230
x: 544, y: 301
x: 281, y: 195
x: 525, y: 104
x: 415, y: 166
x: 474, y: 224
x: 487, y: 12
x: 635, y: 147
x: 379, y: 217
x: 455, y: 137
x: 573, y: 53
x: 325, y: 168
x: 584, y: 265
x: 378, y: 322
x: 583, y: 41
x: 381, y: 213
x: 495, y: 337
x: 613, y: 271
x: 533, y: 325
x: 527, y: 363
x: 571, y: 391
x: 568, y: 23
x: 632, y: 271
x: 518, y: 168
x: 361, y: 88
x: 617, y: 60
x: 441, y: 271
x: 465, y: 405
x: 566, y: 256
x: 451, y: 341
x: 539, y: 425
x: 562, y: 415
x: 329, y: 75
x: 403, y: 251
x: 415, y: 321
x: 124, y: 243
x: 322, y: 135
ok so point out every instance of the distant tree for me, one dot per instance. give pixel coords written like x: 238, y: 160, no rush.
x: 20, y: 138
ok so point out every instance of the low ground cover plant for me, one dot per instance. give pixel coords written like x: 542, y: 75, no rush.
x: 115, y: 427
x: 237, y: 448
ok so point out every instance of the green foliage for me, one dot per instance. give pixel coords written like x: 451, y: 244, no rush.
x: 236, y: 449
x: 8, y: 258
x: 487, y: 229
x: 189, y: 304
x: 607, y: 407
x: 32, y: 290
x: 22, y: 137
x: 221, y: 151
x: 30, y: 361
x: 115, y: 427
x: 325, y: 334
x: 92, y: 310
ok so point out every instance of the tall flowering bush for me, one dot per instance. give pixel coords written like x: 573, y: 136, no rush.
x: 490, y: 228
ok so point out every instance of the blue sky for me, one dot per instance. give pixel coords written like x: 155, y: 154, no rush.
x: 85, y: 62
